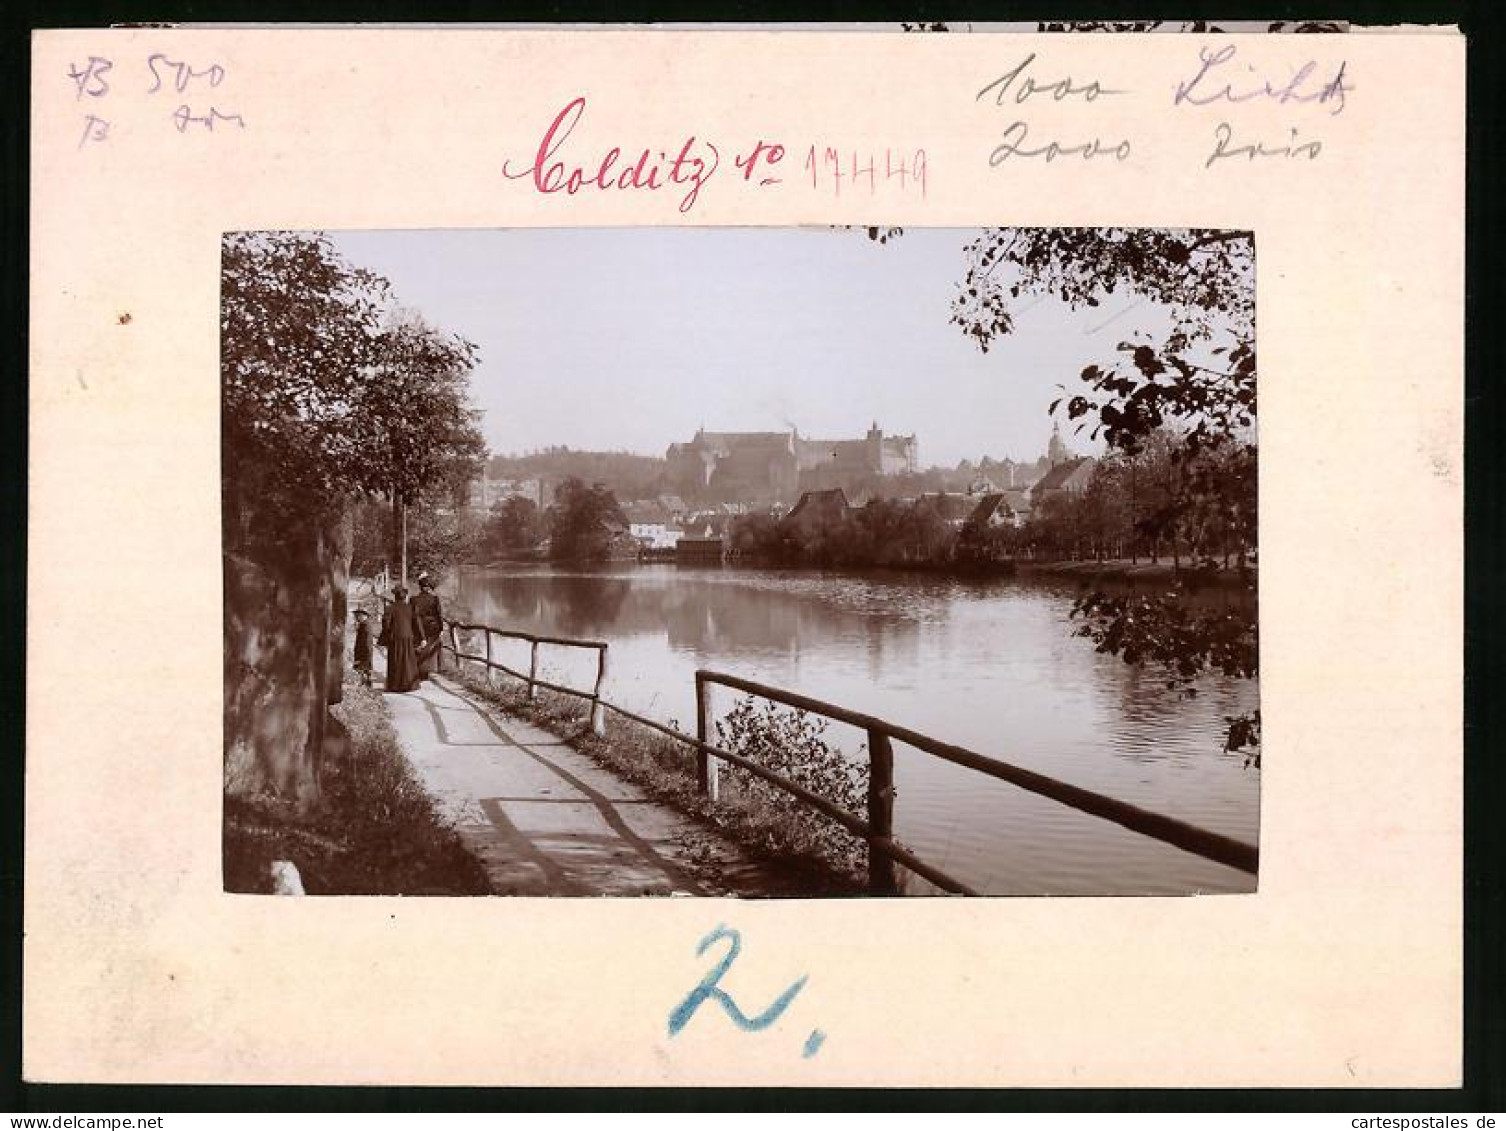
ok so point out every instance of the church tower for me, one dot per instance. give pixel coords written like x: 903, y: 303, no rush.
x: 1056, y: 449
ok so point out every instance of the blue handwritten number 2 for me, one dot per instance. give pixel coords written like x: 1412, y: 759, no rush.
x: 710, y: 990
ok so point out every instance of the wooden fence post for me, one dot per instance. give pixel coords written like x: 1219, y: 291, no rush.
x: 455, y: 648
x: 487, y: 633
x: 881, y: 877
x: 707, y: 769
x: 533, y: 670
x: 598, y: 712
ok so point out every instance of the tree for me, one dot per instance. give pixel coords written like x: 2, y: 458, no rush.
x: 326, y: 394
x: 514, y: 524
x: 1193, y: 392
x: 299, y: 330
x: 583, y: 522
x: 755, y: 536
x: 326, y: 400
x: 422, y: 437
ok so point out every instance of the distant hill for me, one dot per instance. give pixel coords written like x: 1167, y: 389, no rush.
x: 626, y: 474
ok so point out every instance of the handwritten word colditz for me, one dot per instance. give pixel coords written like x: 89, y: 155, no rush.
x: 695, y: 163
x: 1018, y: 86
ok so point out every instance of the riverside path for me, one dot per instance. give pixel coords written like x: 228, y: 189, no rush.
x: 545, y: 819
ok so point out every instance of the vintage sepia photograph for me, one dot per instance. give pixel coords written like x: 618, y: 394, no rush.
x: 761, y: 562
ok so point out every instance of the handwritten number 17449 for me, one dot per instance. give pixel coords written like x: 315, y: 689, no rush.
x: 835, y: 170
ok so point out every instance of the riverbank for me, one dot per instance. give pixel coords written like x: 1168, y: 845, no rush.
x: 1115, y: 569
x: 1122, y: 569
x: 373, y: 831
x: 784, y: 839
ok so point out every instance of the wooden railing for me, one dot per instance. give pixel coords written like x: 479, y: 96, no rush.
x: 598, y: 705
x: 884, y: 852
x: 878, y: 830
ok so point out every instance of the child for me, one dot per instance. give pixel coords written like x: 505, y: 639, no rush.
x: 363, y: 646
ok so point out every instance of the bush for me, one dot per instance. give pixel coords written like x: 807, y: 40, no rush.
x: 793, y: 745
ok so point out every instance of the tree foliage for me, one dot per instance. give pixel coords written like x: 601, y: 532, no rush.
x: 884, y: 532
x: 328, y: 394
x: 1192, y: 393
x: 299, y: 330
x: 422, y: 430
x: 439, y: 538
x: 514, y: 524
x: 583, y: 522
x: 325, y: 393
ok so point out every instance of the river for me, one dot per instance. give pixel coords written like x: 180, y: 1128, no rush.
x: 991, y: 665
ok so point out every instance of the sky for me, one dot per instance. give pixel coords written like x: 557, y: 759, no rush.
x: 629, y: 339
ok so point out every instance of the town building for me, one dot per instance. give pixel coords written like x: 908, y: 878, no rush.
x: 487, y: 492
x: 651, y: 525
x: 1003, y: 509
x: 1070, y: 477
x: 951, y: 509
x: 674, y: 506
x: 703, y: 540
x: 820, y: 509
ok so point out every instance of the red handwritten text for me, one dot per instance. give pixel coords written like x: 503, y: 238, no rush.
x: 770, y: 152
x: 690, y: 168
x: 830, y: 168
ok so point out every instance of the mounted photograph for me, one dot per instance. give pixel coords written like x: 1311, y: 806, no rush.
x: 760, y: 562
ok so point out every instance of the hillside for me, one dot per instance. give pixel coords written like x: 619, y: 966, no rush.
x: 628, y: 475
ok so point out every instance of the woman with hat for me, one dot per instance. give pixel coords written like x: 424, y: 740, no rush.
x: 399, y: 636
x: 430, y: 619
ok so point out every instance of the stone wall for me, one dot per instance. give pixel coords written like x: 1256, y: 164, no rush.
x: 284, y: 659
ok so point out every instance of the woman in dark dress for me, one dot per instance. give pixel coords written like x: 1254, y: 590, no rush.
x: 400, y: 637
x: 363, y: 646
x: 430, y: 619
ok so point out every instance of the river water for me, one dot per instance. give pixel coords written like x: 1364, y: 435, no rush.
x: 991, y: 665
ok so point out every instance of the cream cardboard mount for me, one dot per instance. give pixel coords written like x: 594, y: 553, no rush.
x: 1342, y: 153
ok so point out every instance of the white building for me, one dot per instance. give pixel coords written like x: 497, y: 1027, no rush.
x: 651, y: 525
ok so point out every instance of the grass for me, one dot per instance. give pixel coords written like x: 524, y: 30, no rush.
x: 374, y: 830
x: 782, y: 835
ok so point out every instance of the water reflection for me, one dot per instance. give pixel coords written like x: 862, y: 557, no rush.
x: 696, y: 612
x: 990, y: 664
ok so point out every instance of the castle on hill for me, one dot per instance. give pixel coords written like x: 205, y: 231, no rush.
x: 769, y: 465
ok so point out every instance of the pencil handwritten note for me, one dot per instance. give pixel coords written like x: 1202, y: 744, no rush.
x: 1219, y: 77
x: 181, y: 94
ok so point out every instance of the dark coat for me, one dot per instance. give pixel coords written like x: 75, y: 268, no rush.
x: 363, y: 645
x: 400, y: 636
x: 430, y: 619
x: 430, y: 616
